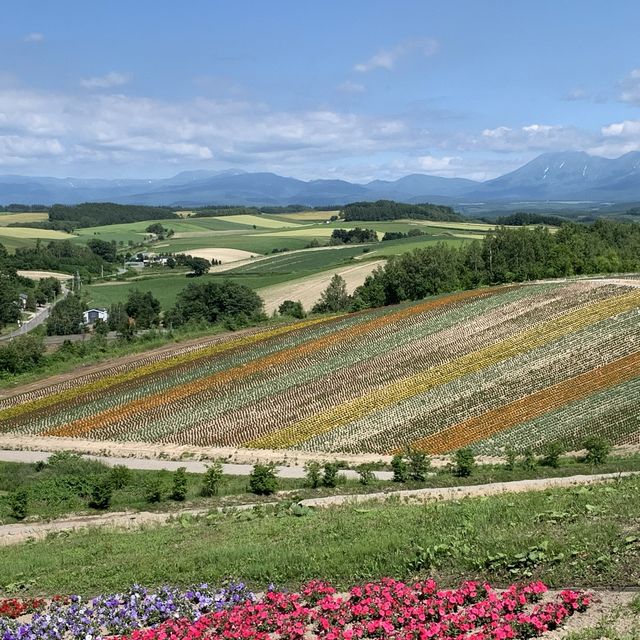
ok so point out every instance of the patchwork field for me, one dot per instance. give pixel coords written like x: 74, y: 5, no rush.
x: 516, y: 365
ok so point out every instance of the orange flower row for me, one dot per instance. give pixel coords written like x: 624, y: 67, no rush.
x: 530, y: 407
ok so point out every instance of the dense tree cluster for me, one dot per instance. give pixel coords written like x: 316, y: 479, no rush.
x: 24, y: 208
x: 143, y: 307
x: 60, y: 255
x: 95, y: 214
x: 215, y: 301
x: 507, y: 255
x: 398, y: 235
x: 66, y: 317
x: 522, y: 219
x: 353, y: 236
x: 390, y: 210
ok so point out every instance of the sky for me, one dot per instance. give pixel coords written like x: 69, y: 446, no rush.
x: 355, y: 90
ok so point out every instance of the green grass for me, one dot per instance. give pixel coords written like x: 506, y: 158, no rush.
x: 52, y: 498
x: 166, y: 287
x: 500, y: 539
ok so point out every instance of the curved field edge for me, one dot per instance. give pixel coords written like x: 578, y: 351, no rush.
x: 581, y: 536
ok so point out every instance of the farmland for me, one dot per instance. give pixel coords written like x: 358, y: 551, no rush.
x: 507, y: 366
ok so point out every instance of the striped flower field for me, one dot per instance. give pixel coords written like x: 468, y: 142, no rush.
x: 516, y: 365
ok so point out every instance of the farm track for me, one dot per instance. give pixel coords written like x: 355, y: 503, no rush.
x: 11, y: 534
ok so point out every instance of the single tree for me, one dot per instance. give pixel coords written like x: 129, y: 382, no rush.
x: 334, y: 298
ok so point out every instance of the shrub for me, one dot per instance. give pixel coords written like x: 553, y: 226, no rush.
x: 119, y: 476
x: 510, y: 458
x: 400, y: 468
x: 153, y: 489
x: 19, y: 504
x: 551, y: 455
x: 312, y: 474
x: 464, y: 462
x: 179, y: 489
x: 418, y: 465
x: 330, y: 475
x: 366, y: 474
x: 263, y: 480
x: 101, y: 492
x: 529, y: 460
x: 597, y: 450
x: 212, y: 480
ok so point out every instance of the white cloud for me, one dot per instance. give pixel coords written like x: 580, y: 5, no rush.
x: 387, y: 58
x: 630, y: 88
x: 532, y: 137
x: 111, y: 79
x: 34, y: 37
x: 352, y: 87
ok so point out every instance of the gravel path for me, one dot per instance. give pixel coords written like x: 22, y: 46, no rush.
x: 20, y: 532
x: 192, y: 466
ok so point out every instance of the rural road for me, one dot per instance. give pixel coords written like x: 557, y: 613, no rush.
x: 20, y: 532
x: 192, y: 466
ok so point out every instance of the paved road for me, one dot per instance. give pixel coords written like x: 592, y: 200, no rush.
x: 192, y: 466
x: 37, y: 319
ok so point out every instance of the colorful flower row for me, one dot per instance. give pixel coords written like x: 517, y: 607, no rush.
x: 74, y: 618
x: 385, y: 609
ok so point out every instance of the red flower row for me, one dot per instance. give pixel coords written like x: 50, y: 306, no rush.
x: 15, y: 607
x: 385, y: 609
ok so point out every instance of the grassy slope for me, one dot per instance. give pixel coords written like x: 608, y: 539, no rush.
x: 565, y: 537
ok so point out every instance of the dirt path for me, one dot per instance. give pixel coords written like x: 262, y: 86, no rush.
x: 472, y: 491
x: 610, y: 617
x: 24, y: 444
x: 20, y: 532
x: 192, y: 466
x: 308, y: 290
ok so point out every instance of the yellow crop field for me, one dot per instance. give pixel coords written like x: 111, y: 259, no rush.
x: 33, y: 234
x: 21, y: 218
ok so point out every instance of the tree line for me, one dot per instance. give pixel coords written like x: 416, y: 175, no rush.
x: 506, y: 255
x: 390, y: 210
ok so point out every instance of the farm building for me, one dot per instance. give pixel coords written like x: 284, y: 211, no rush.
x: 91, y: 315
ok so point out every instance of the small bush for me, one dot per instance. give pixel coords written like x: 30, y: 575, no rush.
x: 464, y: 462
x: 153, y: 490
x: 19, y: 504
x: 263, y: 480
x: 529, y: 462
x: 598, y: 450
x: 510, y: 458
x: 366, y: 474
x: 551, y: 455
x: 418, y: 465
x: 119, y: 477
x: 400, y: 468
x: 212, y: 480
x: 101, y: 492
x: 313, y: 477
x: 330, y: 475
x: 179, y: 488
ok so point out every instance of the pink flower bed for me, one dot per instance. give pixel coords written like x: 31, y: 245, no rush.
x: 385, y: 609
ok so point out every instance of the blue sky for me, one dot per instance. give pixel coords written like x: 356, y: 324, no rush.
x: 353, y: 89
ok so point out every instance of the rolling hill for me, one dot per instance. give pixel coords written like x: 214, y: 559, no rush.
x: 516, y: 366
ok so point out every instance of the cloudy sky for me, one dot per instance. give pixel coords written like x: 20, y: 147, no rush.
x: 334, y: 89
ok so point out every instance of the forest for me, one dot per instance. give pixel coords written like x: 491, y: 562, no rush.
x: 390, y: 210
x: 507, y: 255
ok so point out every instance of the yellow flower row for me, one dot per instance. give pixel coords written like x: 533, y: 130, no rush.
x: 405, y: 389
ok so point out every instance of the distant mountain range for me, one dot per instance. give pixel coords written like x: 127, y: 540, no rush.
x: 567, y: 176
